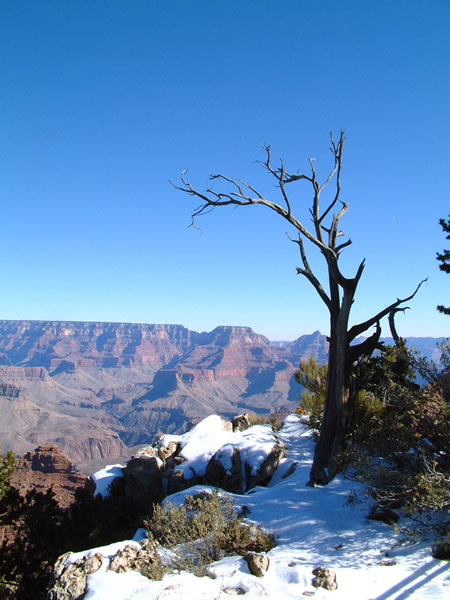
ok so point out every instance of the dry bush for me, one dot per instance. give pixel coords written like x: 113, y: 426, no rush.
x: 273, y: 419
x: 203, y: 530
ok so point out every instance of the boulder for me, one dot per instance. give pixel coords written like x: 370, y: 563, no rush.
x: 142, y: 482
x: 133, y: 558
x: 167, y: 452
x: 227, y: 479
x: 240, y: 423
x: 145, y: 452
x: 266, y: 469
x: 240, y: 476
x: 258, y: 564
x: 69, y: 580
x: 325, y: 578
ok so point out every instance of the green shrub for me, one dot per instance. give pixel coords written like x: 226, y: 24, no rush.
x: 313, y: 377
x: 398, y: 438
x: 203, y: 530
x: 7, y: 468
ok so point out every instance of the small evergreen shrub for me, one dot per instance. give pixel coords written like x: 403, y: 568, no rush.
x: 203, y: 530
x: 398, y: 438
x: 313, y: 377
x: 7, y: 468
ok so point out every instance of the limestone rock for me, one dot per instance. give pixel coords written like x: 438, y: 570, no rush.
x: 69, y: 580
x: 240, y: 423
x: 133, y: 558
x: 258, y: 564
x: 167, y: 451
x: 325, y: 578
x: 145, y: 452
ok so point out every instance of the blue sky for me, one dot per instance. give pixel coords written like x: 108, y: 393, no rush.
x: 102, y: 102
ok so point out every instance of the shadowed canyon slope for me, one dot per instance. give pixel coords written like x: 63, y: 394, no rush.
x: 95, y: 388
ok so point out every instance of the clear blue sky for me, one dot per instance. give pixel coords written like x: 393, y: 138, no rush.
x: 102, y: 102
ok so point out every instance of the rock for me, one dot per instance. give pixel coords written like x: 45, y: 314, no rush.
x: 227, y: 479
x: 384, y: 514
x: 142, y: 482
x: 166, y: 452
x: 239, y: 478
x: 49, y: 459
x: 145, y: 452
x: 441, y: 549
x: 177, y: 483
x: 258, y: 564
x: 124, y: 560
x: 240, y: 423
x: 46, y: 468
x: 266, y: 469
x: 69, y: 580
x: 325, y: 578
x: 133, y: 558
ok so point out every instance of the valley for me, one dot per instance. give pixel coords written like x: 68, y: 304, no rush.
x: 96, y: 390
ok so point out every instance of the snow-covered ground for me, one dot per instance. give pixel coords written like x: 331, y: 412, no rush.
x: 316, y: 527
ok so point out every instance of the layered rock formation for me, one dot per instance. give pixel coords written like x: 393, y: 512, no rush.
x: 95, y: 388
x: 45, y: 468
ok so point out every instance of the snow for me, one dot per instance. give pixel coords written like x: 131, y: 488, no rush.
x: 209, y: 437
x: 105, y: 477
x: 315, y: 527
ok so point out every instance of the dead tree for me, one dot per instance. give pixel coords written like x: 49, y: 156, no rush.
x: 337, y: 294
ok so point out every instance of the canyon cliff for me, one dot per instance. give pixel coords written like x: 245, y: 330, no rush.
x: 97, y: 389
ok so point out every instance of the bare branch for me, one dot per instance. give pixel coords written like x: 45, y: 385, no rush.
x: 239, y: 197
x: 337, y: 152
x: 391, y: 318
x: 359, y: 352
x: 307, y: 272
x: 339, y: 248
x: 359, y: 329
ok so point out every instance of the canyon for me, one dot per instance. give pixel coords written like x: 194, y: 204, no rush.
x: 98, y: 390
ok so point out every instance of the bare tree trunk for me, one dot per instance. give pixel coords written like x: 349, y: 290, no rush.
x: 337, y: 407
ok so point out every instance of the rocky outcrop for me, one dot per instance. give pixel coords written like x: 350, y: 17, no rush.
x: 69, y: 580
x: 47, y: 468
x: 240, y: 423
x: 142, y: 482
x: 236, y: 467
x: 239, y: 475
x: 134, y: 558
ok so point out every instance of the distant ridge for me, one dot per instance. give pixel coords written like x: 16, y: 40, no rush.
x: 96, y: 389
